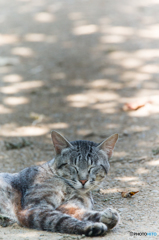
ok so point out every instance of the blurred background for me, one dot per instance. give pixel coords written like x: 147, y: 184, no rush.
x: 87, y: 69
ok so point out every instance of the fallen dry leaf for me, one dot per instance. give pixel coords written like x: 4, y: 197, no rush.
x: 128, y: 194
x: 132, y: 106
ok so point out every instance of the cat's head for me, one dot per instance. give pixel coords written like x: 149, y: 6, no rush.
x: 82, y: 164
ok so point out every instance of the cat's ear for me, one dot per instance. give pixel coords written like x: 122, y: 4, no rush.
x: 109, y: 144
x: 59, y: 142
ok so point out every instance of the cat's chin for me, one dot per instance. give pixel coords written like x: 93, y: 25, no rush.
x: 83, y: 190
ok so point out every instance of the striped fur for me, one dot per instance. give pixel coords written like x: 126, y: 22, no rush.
x: 56, y: 196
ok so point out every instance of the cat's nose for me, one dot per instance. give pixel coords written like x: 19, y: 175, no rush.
x: 83, y: 181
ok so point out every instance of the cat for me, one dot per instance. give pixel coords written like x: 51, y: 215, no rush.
x: 55, y: 196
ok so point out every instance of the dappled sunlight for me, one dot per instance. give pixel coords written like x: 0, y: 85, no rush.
x: 153, y: 163
x: 14, y: 130
x: 79, y: 104
x: 8, y: 39
x: 90, y: 98
x: 135, y: 76
x: 24, y: 131
x: 118, y: 55
x: 13, y: 101
x: 127, y: 179
x: 131, y: 63
x: 23, y: 52
x: 44, y: 17
x: 150, y: 68
x: 142, y: 170
x: 38, y: 37
x: 12, y: 78
x: 99, y: 83
x: 105, y: 107
x: 137, y: 183
x: 34, y: 37
x: 141, y: 54
x: 145, y: 111
x: 104, y: 83
x: 95, y: 65
x: 151, y: 32
x: 80, y: 99
x: 149, y: 3
x: 120, y: 30
x: 131, y: 181
x: 9, y: 90
x: 59, y: 125
x: 147, y: 53
x: 18, y: 87
x: 5, y: 110
x: 112, y: 39
x: 112, y: 190
x: 86, y: 29
x: 112, y: 126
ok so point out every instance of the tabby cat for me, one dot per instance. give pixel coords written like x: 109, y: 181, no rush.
x: 55, y: 196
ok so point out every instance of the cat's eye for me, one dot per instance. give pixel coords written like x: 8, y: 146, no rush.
x: 76, y: 169
x: 90, y: 169
x: 62, y: 165
x: 104, y: 168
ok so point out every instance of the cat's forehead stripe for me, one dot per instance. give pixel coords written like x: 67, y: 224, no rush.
x: 84, y: 152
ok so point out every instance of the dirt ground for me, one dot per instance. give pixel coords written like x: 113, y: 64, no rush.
x: 71, y: 66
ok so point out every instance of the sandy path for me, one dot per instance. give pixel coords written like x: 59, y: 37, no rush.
x: 71, y: 66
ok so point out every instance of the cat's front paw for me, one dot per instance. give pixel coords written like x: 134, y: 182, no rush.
x: 96, y: 229
x: 110, y: 217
